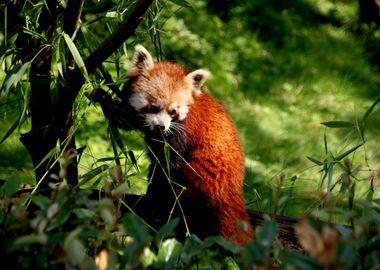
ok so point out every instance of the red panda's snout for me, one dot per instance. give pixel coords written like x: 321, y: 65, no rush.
x: 158, y: 114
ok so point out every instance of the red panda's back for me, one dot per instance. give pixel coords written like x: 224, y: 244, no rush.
x: 217, y: 157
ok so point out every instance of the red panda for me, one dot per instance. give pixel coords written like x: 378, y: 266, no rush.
x: 197, y: 161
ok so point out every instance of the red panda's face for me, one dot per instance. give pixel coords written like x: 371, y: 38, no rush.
x: 162, y: 93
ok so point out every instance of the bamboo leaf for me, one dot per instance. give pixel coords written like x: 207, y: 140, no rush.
x: 369, y: 111
x: 16, y: 124
x: 10, y: 131
x: 132, y: 157
x: 316, y: 161
x: 329, y: 177
x: 76, y: 55
x: 61, y: 57
x: 167, y: 157
x: 94, y: 172
x: 10, y: 187
x: 14, y: 77
x: 340, y: 157
x: 182, y: 3
x: 338, y: 124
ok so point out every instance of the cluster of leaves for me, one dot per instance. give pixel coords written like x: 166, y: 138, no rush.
x: 76, y: 228
x: 83, y: 229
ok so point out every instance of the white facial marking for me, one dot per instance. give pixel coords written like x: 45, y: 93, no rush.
x: 182, y: 112
x: 154, y: 120
x: 173, y: 106
x: 158, y: 103
x: 138, y: 101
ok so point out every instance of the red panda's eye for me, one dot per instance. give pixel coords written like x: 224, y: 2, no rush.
x: 154, y: 109
x: 173, y: 112
x: 151, y: 109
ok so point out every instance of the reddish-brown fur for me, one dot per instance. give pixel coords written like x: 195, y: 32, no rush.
x: 206, y: 158
x: 218, y: 159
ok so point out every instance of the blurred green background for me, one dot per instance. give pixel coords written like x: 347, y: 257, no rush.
x: 279, y: 67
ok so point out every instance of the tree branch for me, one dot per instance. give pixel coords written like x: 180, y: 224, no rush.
x: 64, y: 119
x: 72, y: 15
x: 118, y: 37
x: 105, y: 49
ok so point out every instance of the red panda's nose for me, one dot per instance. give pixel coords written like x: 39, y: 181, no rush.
x: 161, y: 127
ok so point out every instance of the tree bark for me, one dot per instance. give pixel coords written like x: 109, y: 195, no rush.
x: 51, y: 125
x: 39, y: 141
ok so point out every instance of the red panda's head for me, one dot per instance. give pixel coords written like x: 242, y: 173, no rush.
x: 162, y: 92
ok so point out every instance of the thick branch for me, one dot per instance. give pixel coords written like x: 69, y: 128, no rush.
x: 67, y: 97
x: 118, y: 37
x: 105, y: 49
x: 72, y: 15
x: 41, y: 139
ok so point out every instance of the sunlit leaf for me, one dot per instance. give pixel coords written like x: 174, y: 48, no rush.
x: 11, y: 130
x: 76, y: 55
x: 61, y: 57
x: 168, y: 253
x: 14, y: 77
x: 182, y: 3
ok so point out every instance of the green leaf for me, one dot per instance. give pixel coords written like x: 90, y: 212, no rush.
x: 83, y: 213
x: 74, y: 248
x: 7, y: 43
x: 167, y: 229
x: 76, y: 55
x: 61, y: 57
x: 369, y: 111
x: 338, y: 124
x: 30, y: 239
x: 316, y: 161
x: 94, y: 172
x: 168, y: 253
x: 222, y: 242
x: 132, y: 157
x: 192, y: 247
x: 11, y: 130
x: 298, y: 260
x: 14, y: 76
x: 167, y: 157
x: 182, y: 3
x: 267, y: 233
x: 136, y: 228
x: 10, y: 187
x: 254, y: 254
x: 340, y: 157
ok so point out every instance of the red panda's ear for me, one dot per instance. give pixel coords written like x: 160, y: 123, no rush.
x: 197, y: 78
x: 142, y: 59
